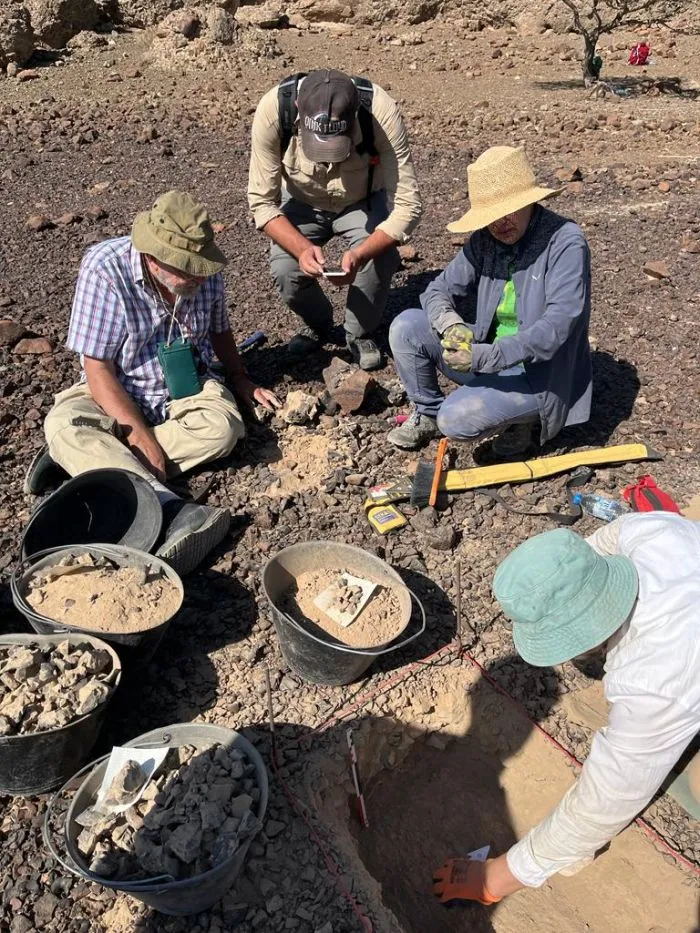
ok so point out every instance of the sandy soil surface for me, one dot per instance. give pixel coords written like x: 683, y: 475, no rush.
x: 377, y: 624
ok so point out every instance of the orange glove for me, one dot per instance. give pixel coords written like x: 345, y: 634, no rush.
x: 461, y: 880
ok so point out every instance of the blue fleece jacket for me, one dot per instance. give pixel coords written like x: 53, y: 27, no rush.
x: 552, y: 280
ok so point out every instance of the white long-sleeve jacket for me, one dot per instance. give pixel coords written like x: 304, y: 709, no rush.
x: 652, y: 680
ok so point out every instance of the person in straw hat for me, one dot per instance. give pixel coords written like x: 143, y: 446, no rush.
x: 631, y: 594
x: 149, y: 315
x: 507, y: 320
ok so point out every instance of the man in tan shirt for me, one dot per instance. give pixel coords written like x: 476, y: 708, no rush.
x: 338, y: 172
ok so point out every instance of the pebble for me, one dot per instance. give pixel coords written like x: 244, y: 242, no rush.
x: 273, y: 828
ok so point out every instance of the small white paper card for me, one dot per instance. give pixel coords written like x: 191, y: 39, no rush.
x: 327, y: 600
x: 150, y: 760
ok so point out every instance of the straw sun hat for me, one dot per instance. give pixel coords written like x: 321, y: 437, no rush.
x: 177, y: 231
x: 500, y: 182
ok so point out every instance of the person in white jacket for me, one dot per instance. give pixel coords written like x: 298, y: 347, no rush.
x: 632, y: 589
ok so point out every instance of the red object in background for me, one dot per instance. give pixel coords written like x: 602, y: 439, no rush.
x: 645, y: 496
x: 639, y: 54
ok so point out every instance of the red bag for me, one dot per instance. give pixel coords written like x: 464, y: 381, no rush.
x: 645, y: 496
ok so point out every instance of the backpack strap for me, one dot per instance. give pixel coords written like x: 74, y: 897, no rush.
x: 287, y: 100
x: 365, y: 93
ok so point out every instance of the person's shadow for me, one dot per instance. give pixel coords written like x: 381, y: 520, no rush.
x: 615, y: 387
x: 446, y: 802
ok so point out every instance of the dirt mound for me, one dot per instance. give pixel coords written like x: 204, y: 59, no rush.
x: 304, y: 462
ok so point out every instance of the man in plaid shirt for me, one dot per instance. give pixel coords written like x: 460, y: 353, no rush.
x: 136, y: 294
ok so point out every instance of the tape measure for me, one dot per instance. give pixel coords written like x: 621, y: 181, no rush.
x: 385, y: 518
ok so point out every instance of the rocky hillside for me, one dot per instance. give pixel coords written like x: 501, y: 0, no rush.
x: 26, y: 25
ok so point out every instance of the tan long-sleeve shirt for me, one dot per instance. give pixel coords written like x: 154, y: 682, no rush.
x: 335, y: 186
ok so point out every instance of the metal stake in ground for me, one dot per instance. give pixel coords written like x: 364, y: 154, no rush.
x: 270, y: 716
x: 361, y: 807
x: 458, y: 588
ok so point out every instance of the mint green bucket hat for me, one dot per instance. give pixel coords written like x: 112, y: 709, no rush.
x: 563, y: 598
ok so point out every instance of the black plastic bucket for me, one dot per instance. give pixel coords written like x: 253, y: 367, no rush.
x: 41, y: 761
x: 134, y: 648
x: 175, y: 898
x: 312, y: 653
x: 106, y: 506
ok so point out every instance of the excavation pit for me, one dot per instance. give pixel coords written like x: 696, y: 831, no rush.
x: 456, y: 768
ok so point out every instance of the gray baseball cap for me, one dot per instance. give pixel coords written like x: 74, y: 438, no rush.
x: 327, y: 103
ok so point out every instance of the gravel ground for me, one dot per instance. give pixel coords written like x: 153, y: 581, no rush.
x: 95, y: 137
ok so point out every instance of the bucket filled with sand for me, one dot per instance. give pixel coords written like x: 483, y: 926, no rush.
x: 125, y: 596
x: 336, y: 608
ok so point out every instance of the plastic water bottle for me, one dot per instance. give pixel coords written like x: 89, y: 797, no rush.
x: 600, y: 506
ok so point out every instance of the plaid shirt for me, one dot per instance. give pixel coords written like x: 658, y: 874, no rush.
x: 117, y: 316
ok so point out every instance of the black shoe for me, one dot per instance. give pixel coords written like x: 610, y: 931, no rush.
x: 191, y: 532
x: 365, y: 352
x: 43, y: 473
x: 306, y: 341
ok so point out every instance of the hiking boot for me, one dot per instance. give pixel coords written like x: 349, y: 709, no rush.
x: 415, y: 432
x: 191, y: 532
x: 306, y: 341
x: 43, y: 473
x: 515, y: 440
x: 365, y: 352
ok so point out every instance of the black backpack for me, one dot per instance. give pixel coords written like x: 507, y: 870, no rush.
x: 287, y: 98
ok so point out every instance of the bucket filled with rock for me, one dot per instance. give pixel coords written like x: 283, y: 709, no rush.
x: 169, y: 817
x: 54, y: 691
x: 125, y: 596
x: 336, y: 608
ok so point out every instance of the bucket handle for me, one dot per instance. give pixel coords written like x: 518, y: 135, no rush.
x: 365, y: 651
x: 70, y: 865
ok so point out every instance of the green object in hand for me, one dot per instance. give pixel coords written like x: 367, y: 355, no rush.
x: 457, y: 348
x: 179, y: 368
x: 460, y: 360
x: 457, y: 337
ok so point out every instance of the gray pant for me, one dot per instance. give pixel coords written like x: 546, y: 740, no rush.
x: 483, y: 403
x: 366, y: 297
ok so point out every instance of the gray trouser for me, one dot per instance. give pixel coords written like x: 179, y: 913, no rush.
x: 366, y: 297
x: 484, y: 402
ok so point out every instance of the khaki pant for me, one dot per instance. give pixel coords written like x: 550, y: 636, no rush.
x: 197, y: 429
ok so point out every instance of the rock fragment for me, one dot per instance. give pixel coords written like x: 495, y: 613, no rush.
x: 299, y: 408
x: 656, y: 269
x: 33, y: 346
x: 347, y: 386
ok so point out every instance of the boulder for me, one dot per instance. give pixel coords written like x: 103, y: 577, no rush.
x: 16, y: 33
x: 268, y: 15
x: 54, y: 22
x: 531, y: 23
x: 324, y: 11
x: 141, y: 14
x: 221, y: 26
x: 144, y: 13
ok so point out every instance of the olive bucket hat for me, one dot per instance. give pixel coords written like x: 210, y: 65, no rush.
x: 177, y: 231
x: 562, y: 596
